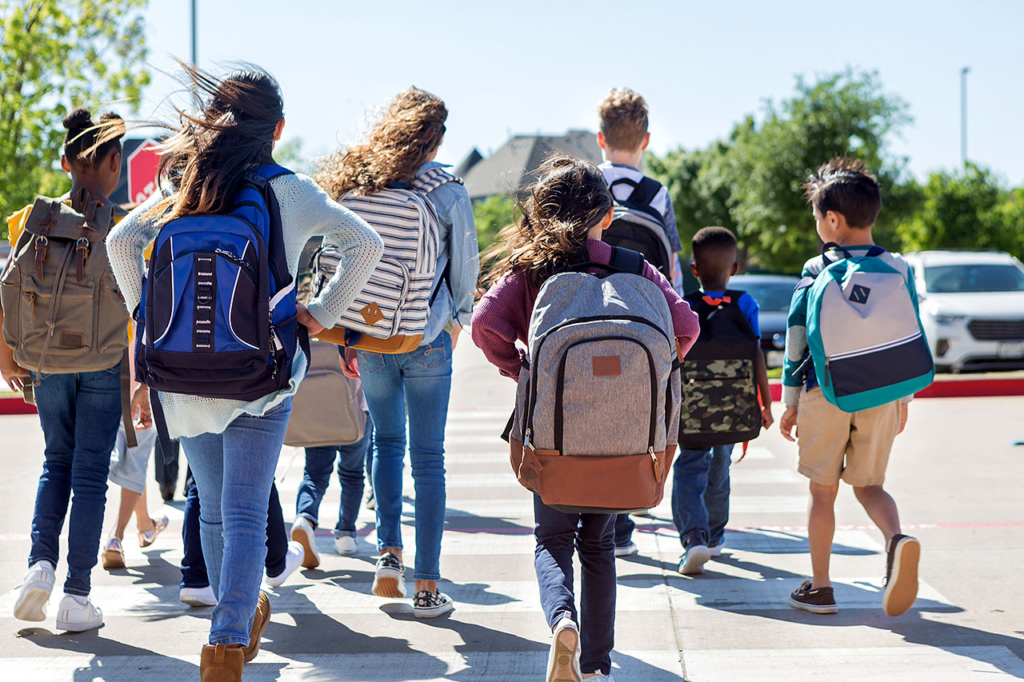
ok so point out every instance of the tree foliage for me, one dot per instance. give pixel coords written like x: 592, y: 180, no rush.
x: 59, y: 54
x: 491, y: 215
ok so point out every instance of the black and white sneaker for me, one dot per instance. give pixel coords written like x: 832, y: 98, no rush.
x: 902, y: 557
x: 389, y: 578
x: 431, y: 604
x: 820, y: 600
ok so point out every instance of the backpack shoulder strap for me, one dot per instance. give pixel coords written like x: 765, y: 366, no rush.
x: 734, y: 295
x: 627, y: 260
x: 433, y: 178
x: 271, y: 171
x: 646, y: 191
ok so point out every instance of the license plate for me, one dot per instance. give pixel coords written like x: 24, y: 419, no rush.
x: 774, y: 358
x: 1010, y: 349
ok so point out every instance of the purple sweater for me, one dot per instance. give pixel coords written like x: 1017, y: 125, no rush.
x: 503, y: 315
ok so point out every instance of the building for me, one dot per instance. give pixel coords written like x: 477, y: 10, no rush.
x: 509, y: 169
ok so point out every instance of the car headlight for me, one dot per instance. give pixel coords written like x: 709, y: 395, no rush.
x: 947, y: 319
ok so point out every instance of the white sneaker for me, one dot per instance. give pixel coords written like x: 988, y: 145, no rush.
x: 626, y: 550
x: 292, y: 560
x: 346, y: 545
x: 715, y: 551
x: 600, y: 677
x: 77, y: 614
x: 197, y: 596
x: 302, y: 532
x: 693, y: 561
x: 564, y: 657
x: 35, y: 592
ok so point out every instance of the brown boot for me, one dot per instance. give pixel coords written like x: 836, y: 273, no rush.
x: 221, y: 664
x: 259, y: 624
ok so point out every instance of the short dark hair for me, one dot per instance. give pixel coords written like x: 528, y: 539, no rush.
x: 844, y: 186
x: 86, y: 142
x: 712, y: 240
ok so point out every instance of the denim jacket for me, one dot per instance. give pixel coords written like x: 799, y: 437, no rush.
x: 459, y: 247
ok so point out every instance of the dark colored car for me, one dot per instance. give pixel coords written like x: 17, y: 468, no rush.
x: 773, y: 294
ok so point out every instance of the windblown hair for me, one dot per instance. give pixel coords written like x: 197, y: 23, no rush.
x: 230, y: 130
x: 87, y: 143
x: 410, y: 128
x: 623, y: 119
x: 844, y: 186
x: 569, y: 197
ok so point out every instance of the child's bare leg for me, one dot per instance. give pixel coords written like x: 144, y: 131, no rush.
x: 129, y: 500
x: 881, y: 508
x: 821, y: 527
x: 143, y: 521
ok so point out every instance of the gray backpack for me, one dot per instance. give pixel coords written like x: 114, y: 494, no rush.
x: 598, y: 401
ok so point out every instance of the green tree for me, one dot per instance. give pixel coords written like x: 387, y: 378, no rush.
x: 966, y: 210
x: 491, y: 215
x: 842, y: 114
x: 58, y: 54
x: 290, y: 155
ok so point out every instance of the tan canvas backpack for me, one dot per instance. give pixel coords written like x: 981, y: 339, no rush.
x: 63, y: 312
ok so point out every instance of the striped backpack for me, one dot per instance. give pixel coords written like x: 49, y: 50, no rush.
x: 390, y: 313
x: 864, y: 331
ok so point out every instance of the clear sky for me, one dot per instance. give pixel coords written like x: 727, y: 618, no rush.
x: 528, y: 66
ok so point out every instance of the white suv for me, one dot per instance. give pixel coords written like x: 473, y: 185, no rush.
x: 972, y: 308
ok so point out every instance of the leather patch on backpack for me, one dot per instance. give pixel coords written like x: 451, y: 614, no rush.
x: 607, y: 366
x: 71, y: 340
x: 371, y: 314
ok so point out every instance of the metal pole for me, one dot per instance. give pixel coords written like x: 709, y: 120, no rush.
x: 195, y: 49
x: 963, y: 115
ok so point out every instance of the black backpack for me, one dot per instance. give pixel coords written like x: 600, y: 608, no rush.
x: 720, y: 404
x: 639, y: 226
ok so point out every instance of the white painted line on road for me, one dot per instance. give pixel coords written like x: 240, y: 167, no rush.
x: 892, y: 664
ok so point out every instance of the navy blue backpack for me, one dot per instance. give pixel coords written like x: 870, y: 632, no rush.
x: 218, y: 307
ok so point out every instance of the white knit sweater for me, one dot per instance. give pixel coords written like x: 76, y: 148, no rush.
x: 306, y: 212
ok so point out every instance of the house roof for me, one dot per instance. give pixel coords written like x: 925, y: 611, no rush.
x: 509, y: 168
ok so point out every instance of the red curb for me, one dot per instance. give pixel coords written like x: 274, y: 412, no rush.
x: 15, y: 404
x: 955, y: 386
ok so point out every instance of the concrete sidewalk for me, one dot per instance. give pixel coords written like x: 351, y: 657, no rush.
x: 954, y: 474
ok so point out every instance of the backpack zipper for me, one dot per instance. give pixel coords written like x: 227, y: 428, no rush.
x: 872, y: 349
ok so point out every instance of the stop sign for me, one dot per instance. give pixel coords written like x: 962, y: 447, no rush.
x: 143, y: 164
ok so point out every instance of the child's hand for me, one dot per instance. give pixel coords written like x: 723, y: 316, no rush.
x: 788, y: 424
x: 14, y: 375
x: 904, y: 413
x: 307, y: 320
x: 350, y: 363
x: 766, y: 417
x: 142, y: 412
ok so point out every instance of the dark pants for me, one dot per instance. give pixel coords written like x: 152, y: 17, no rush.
x: 558, y: 535
x: 352, y: 462
x: 623, y: 530
x: 79, y: 414
x: 166, y: 474
x: 193, y: 566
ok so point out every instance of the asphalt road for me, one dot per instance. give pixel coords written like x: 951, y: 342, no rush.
x: 955, y: 475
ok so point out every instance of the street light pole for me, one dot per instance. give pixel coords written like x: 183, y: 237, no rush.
x: 195, y: 50
x: 963, y: 115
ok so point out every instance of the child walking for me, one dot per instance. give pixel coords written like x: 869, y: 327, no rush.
x: 700, y: 494
x: 233, y: 445
x: 837, y: 445
x: 408, y: 392
x: 79, y: 410
x: 560, y: 225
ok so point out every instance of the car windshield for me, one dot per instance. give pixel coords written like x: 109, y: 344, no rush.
x: 971, y: 279
x: 771, y: 297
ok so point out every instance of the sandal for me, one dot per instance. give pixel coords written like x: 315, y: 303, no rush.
x: 146, y: 539
x: 113, y: 555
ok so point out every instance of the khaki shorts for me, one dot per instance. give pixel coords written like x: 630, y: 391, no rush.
x: 853, y: 446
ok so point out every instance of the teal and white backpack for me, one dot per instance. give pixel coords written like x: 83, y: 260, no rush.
x: 864, y: 332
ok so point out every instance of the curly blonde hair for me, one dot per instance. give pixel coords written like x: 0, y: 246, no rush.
x: 569, y: 197
x: 623, y: 119
x: 410, y: 128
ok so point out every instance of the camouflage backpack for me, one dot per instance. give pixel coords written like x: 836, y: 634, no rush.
x: 720, y: 376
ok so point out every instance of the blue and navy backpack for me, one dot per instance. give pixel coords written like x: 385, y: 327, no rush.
x: 864, y: 331
x: 218, y: 307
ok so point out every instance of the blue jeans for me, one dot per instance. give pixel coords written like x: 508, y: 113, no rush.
x: 193, y: 565
x: 317, y: 477
x: 700, y: 495
x: 623, y: 530
x: 558, y: 534
x: 79, y: 414
x: 410, y: 389
x: 234, y: 471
